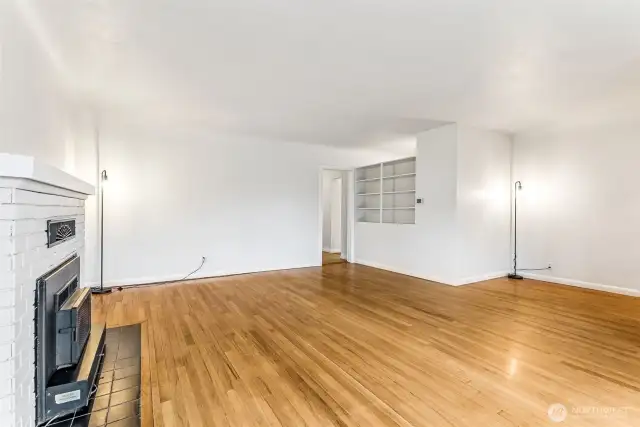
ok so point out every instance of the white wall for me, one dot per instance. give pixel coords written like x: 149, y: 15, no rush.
x: 247, y: 205
x: 336, y: 215
x: 328, y: 176
x: 461, y: 234
x: 34, y: 110
x: 38, y: 116
x: 347, y: 221
x: 580, y: 206
x: 86, y: 168
x: 483, y: 203
x: 426, y: 249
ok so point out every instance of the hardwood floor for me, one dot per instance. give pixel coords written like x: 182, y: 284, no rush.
x: 331, y: 258
x: 349, y: 345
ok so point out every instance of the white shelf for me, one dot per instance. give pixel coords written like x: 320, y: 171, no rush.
x: 402, y: 175
x: 368, y: 179
x: 399, y: 208
x: 368, y: 194
x: 396, y: 192
x: 369, y: 209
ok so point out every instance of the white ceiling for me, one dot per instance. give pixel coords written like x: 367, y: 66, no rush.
x: 348, y: 72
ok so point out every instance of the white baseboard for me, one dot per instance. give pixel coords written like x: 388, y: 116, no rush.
x: 462, y: 282
x: 179, y: 277
x: 475, y: 279
x: 582, y: 284
x: 405, y: 272
x: 496, y: 275
x: 482, y: 278
x: 140, y: 281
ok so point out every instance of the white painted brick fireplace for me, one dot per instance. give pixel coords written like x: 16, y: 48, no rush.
x: 31, y: 193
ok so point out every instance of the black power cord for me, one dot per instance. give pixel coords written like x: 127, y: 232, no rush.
x: 196, y: 270
x: 535, y: 269
x: 204, y: 259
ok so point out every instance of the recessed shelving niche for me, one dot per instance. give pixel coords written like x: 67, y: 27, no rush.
x: 386, y: 192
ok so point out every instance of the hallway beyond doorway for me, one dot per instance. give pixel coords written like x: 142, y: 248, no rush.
x: 331, y: 258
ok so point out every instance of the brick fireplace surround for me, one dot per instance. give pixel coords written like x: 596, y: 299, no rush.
x: 30, y: 194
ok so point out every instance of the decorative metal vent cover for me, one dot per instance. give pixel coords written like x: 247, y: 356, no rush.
x: 60, y: 231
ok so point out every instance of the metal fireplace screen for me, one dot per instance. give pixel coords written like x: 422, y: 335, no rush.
x: 73, y: 323
x: 63, y: 324
x: 59, y: 231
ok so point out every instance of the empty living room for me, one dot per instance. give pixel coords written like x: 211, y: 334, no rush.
x: 238, y: 213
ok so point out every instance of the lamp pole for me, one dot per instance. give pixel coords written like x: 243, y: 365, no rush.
x: 101, y: 289
x: 515, y: 275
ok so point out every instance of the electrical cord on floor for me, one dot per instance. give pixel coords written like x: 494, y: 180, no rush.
x: 196, y: 270
x: 204, y: 259
x: 534, y: 269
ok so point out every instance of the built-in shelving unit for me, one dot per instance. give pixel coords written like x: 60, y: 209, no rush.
x: 368, y: 193
x: 386, y: 192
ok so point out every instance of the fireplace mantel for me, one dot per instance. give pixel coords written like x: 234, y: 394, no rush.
x: 15, y: 166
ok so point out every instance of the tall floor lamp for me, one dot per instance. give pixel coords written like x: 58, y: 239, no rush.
x: 515, y: 275
x: 101, y: 289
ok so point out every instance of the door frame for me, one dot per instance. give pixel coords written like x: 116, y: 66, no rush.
x: 348, y: 212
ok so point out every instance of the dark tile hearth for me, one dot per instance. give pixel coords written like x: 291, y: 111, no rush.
x: 116, y: 402
x: 128, y: 395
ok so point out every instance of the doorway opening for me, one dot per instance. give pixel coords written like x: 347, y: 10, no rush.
x: 334, y: 216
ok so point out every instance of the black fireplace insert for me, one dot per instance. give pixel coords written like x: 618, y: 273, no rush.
x: 67, y: 352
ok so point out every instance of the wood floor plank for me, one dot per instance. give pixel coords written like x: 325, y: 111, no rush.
x: 348, y: 345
